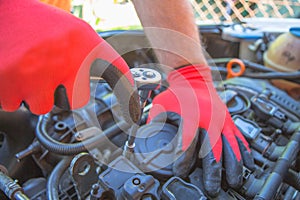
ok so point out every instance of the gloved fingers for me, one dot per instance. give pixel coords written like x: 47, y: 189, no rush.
x: 78, y: 88
x: 233, y: 166
x: 41, y: 102
x: 212, y: 172
x: 185, y: 160
x: 184, y: 102
x: 209, y: 144
x: 246, y: 155
x: 212, y: 168
x: 159, y: 106
x: 11, y: 104
x: 10, y: 94
x: 229, y: 132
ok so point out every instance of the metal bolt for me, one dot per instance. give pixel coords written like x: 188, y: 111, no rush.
x: 149, y: 74
x: 95, y: 188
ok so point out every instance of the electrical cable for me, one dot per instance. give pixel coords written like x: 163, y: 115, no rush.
x: 70, y: 149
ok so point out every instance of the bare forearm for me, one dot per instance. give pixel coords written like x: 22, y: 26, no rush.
x: 171, y: 30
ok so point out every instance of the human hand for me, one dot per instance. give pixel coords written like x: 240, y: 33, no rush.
x: 42, y: 47
x: 193, y: 99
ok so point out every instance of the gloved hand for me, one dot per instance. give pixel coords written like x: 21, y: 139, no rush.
x: 42, y: 47
x: 192, y: 96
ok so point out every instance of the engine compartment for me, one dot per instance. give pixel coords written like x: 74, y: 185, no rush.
x: 79, y: 155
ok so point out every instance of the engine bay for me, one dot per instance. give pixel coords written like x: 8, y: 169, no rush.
x: 79, y: 154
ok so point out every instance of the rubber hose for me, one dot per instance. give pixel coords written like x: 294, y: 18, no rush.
x: 290, y: 76
x: 11, y: 188
x: 70, y: 149
x: 221, y: 70
x: 257, y: 66
x: 248, y: 64
x: 269, y: 73
x: 54, y: 178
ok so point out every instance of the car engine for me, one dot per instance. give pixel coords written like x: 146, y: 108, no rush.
x: 82, y: 154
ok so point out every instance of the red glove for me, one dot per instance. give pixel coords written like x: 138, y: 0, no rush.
x: 192, y: 96
x: 42, y: 47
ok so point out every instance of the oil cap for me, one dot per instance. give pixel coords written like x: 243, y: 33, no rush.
x: 155, y: 147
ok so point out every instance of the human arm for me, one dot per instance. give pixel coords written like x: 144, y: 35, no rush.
x: 171, y: 30
x: 165, y: 24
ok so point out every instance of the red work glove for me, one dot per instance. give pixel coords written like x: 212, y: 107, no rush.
x: 192, y: 96
x: 42, y: 47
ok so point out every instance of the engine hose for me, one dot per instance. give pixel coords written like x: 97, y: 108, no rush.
x: 248, y: 64
x: 11, y: 189
x: 280, y: 169
x: 54, y: 178
x: 221, y: 70
x: 257, y: 67
x: 275, y: 75
x: 268, y: 72
x: 71, y: 149
x: 289, y: 76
